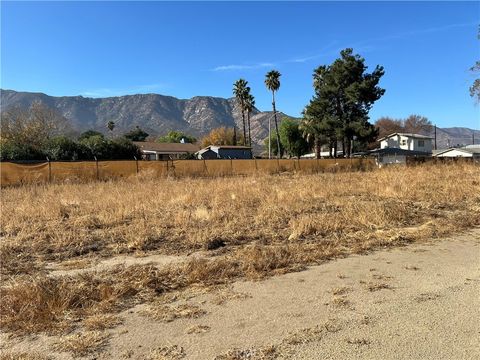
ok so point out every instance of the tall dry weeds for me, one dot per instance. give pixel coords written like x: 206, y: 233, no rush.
x: 268, y: 224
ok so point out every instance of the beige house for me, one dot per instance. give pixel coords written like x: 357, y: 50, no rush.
x: 165, y: 151
x: 404, y: 141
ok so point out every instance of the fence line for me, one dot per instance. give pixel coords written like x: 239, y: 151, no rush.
x: 22, y: 173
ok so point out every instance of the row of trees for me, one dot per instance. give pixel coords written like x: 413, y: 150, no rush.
x: 338, y: 111
x: 38, y: 133
x: 246, y: 102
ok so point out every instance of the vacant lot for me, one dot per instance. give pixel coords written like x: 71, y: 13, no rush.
x: 76, y: 257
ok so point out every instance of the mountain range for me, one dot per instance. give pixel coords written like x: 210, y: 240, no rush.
x: 154, y: 113
x: 158, y: 114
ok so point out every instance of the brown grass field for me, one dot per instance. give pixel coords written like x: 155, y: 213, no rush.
x: 212, y: 232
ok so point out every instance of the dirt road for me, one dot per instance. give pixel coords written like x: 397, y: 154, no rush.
x: 417, y: 302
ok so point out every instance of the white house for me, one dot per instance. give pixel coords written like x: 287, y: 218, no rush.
x: 165, y: 151
x: 404, y: 141
x: 466, y: 152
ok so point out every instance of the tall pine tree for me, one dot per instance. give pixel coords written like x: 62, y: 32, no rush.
x: 344, y: 94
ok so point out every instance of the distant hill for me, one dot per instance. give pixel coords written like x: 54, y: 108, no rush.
x: 454, y: 136
x: 156, y: 114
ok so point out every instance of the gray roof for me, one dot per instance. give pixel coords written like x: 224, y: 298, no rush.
x: 397, y: 151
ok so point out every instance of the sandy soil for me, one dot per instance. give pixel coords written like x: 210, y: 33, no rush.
x: 417, y: 302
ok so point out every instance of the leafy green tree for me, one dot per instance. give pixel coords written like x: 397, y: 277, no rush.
x: 176, y: 137
x: 106, y: 149
x: 292, y: 138
x: 272, y: 82
x: 241, y: 90
x: 136, y: 135
x: 344, y: 95
x: 64, y: 148
x: 88, y: 134
x: 98, y: 146
x: 273, y: 145
x: 11, y: 151
x: 123, y: 149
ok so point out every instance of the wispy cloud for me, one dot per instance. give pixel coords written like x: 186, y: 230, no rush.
x: 106, y: 92
x: 363, y: 46
x: 243, y: 66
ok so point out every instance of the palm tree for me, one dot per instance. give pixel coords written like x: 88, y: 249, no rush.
x: 111, y: 126
x: 311, y: 133
x: 240, y: 90
x: 272, y: 82
x: 249, y: 105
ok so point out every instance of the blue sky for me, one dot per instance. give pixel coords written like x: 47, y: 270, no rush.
x: 186, y: 49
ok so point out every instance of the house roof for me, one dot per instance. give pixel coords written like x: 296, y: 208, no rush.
x: 397, y: 151
x: 465, y: 150
x: 232, y: 147
x: 167, y: 148
x: 416, y: 136
x: 218, y: 147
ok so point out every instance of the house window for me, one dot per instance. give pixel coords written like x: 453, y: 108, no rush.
x: 421, y: 143
x: 403, y: 142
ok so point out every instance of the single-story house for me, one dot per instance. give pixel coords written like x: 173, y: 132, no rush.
x: 165, y: 151
x: 224, y: 152
x: 466, y: 152
x: 390, y: 155
x: 412, y: 142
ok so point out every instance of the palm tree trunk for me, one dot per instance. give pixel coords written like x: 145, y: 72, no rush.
x: 244, y: 129
x: 234, y: 135
x: 279, y: 149
x: 249, y: 135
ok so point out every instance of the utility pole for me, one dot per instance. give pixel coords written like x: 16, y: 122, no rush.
x: 473, y: 137
x: 269, y: 137
x: 435, y: 128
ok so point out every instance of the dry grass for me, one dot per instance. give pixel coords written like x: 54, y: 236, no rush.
x: 168, y: 313
x: 198, y: 329
x: 22, y: 356
x: 173, y: 352
x: 253, y: 227
x: 376, y: 286
x: 101, y: 322
x: 82, y: 344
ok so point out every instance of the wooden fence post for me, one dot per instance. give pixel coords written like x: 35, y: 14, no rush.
x: 136, y: 164
x: 49, y: 170
x: 96, y: 164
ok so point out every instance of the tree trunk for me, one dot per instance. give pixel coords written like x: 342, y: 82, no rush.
x: 249, y: 135
x: 244, y: 129
x: 317, y: 147
x: 234, y: 135
x: 349, y: 147
x: 344, y: 150
x: 335, y: 145
x: 279, y: 149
